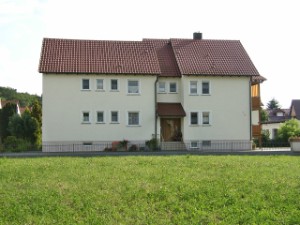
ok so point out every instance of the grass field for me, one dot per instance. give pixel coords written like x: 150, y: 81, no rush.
x: 151, y: 190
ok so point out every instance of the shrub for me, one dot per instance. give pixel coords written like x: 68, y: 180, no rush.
x: 13, y: 144
x: 152, y: 144
x: 133, y: 148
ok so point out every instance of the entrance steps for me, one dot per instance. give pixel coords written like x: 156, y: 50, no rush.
x: 172, y: 145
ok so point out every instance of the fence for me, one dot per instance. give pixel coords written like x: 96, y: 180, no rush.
x: 189, y: 145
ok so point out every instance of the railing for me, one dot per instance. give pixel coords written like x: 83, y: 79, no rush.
x: 256, y: 130
x: 190, y: 145
x: 256, y: 103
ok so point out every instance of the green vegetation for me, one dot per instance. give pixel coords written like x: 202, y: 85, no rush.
x: 151, y: 190
x: 25, y: 99
x: 288, y: 129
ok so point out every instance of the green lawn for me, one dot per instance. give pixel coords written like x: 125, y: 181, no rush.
x: 151, y: 190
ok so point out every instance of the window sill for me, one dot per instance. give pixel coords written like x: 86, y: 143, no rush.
x: 133, y: 125
x: 161, y: 92
x: 99, y: 90
x: 133, y: 94
x: 114, y: 123
x: 85, y: 89
x: 86, y: 123
x: 205, y: 94
x: 194, y: 94
x: 206, y: 125
x: 100, y: 122
x: 173, y: 92
x: 114, y: 90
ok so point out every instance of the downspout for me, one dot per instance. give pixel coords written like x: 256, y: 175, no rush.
x: 250, y: 106
x: 155, y: 108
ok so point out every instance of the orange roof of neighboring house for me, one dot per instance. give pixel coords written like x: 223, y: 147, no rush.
x: 168, y: 57
x: 170, y: 109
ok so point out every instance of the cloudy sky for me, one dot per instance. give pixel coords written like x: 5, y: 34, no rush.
x: 269, y: 31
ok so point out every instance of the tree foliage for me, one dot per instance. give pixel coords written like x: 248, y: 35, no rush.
x: 25, y: 99
x: 264, y: 115
x: 26, y: 127
x: 5, y: 113
x: 290, y: 128
x: 273, y: 104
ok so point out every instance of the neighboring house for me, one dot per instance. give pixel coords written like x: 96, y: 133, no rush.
x: 295, y: 109
x: 195, y: 92
x: 277, y: 117
x: 16, y: 102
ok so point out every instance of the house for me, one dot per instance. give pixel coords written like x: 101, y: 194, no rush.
x: 276, y: 117
x: 16, y: 102
x: 186, y: 93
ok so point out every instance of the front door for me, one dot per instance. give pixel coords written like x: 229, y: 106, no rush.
x: 171, y: 129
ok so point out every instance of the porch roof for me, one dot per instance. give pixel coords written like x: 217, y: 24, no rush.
x: 170, y: 109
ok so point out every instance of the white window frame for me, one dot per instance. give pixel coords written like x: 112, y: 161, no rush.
x: 209, y: 91
x: 139, y: 119
x: 197, y: 88
x: 198, y: 119
x: 194, y: 147
x: 103, y: 121
x: 209, y: 118
x: 103, y: 85
x: 85, y: 79
x: 139, y: 87
x: 83, y: 117
x: 176, y: 86
x: 118, y: 114
x: 117, y: 85
x: 163, y: 83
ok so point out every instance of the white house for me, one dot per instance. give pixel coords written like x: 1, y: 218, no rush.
x: 187, y: 93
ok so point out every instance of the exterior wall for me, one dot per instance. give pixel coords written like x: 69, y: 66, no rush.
x: 167, y: 96
x: 255, y: 117
x: 270, y: 127
x: 228, y: 104
x: 64, y: 101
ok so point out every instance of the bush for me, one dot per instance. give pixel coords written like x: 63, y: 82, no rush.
x: 13, y: 144
x: 152, y: 144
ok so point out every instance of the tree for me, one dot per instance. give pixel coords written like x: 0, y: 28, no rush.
x: 26, y: 127
x: 273, y: 104
x: 290, y: 128
x: 36, y: 111
x: 264, y: 115
x: 6, y: 112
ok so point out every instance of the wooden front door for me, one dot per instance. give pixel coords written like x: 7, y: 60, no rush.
x: 171, y: 129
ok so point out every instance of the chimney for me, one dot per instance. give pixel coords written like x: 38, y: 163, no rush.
x: 197, y: 36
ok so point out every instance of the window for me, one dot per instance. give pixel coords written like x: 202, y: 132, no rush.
x: 86, y: 117
x: 194, y: 118
x: 133, y: 118
x: 206, y: 143
x: 99, y: 85
x: 162, y: 87
x: 133, y: 87
x: 205, y: 88
x: 205, y: 118
x: 193, y: 88
x: 173, y: 87
x: 194, y: 144
x: 100, y: 117
x: 114, y: 85
x: 114, y: 117
x: 85, y: 84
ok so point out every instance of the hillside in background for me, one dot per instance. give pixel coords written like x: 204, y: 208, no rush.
x: 25, y: 99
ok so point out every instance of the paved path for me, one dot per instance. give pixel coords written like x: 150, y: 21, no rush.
x: 157, y: 153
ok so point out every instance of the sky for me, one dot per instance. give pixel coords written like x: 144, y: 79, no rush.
x: 268, y: 29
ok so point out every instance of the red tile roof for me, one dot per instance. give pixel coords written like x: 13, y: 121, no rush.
x: 91, y: 56
x: 212, y: 57
x: 171, y: 57
x: 166, y: 57
x: 170, y: 109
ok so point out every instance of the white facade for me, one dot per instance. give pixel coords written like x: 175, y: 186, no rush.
x: 272, y: 128
x: 65, y: 102
x: 74, y: 113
